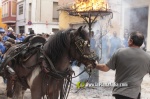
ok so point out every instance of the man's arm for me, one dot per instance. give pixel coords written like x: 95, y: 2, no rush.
x: 102, y: 67
x: 111, y: 64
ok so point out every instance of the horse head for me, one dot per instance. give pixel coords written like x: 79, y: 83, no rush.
x: 80, y: 48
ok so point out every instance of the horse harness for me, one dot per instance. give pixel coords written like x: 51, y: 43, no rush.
x: 25, y: 51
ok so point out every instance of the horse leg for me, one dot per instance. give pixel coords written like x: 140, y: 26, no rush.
x: 18, y: 91
x: 23, y: 92
x: 36, y: 89
x: 35, y: 83
x: 36, y: 92
x: 54, y: 89
x: 54, y: 94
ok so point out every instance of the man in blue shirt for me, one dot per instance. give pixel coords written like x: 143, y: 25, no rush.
x: 2, y: 49
x: 125, y: 40
x: 115, y: 43
x: 4, y: 37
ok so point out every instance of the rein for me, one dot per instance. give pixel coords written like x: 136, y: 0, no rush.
x: 90, y: 73
x: 65, y: 77
x: 52, y: 70
x: 80, y: 73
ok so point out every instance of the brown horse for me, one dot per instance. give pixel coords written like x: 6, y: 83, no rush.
x: 45, y: 70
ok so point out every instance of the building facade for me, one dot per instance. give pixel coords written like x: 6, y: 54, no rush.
x: 39, y: 15
x: 9, y: 13
x: 66, y: 20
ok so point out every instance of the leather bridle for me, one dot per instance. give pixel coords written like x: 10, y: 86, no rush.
x: 80, y: 46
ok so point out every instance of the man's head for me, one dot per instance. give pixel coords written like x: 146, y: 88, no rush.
x: 136, y: 39
x: 10, y: 29
x: 126, y: 35
x: 1, y: 39
x: 18, y: 35
x: 115, y: 34
x: 125, y: 30
x: 32, y: 32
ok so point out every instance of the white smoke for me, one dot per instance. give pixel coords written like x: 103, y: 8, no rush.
x: 135, y: 16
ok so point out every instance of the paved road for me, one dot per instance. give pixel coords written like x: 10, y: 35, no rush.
x: 92, y: 92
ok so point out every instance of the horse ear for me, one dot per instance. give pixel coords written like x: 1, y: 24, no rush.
x: 80, y: 28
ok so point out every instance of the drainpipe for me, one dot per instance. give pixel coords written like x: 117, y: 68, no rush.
x: 40, y: 10
x: 25, y: 16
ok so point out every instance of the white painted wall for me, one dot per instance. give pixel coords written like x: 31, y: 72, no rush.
x: 42, y: 27
x: 39, y: 16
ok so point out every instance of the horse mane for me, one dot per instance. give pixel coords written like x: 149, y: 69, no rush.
x: 57, y: 44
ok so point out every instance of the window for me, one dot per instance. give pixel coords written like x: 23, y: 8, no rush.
x: 14, y: 8
x: 2, y: 10
x: 5, y: 10
x: 55, y: 12
x: 30, y: 10
x: 20, y: 9
x: 21, y: 29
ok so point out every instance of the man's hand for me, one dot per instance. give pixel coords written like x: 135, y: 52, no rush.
x: 102, y: 67
x: 96, y: 62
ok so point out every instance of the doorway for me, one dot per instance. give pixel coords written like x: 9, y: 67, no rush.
x: 136, y: 19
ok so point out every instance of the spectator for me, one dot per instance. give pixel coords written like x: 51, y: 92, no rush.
x: 19, y: 38
x: 92, y: 42
x: 46, y: 37
x: 10, y: 33
x: 115, y: 43
x: 2, y: 49
x: 125, y: 40
x: 32, y: 32
x: 4, y: 37
x: 105, y: 48
x: 22, y: 36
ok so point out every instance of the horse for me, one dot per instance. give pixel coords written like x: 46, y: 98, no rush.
x: 44, y: 67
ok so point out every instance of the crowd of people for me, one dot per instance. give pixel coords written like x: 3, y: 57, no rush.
x: 109, y: 43
x: 10, y: 38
